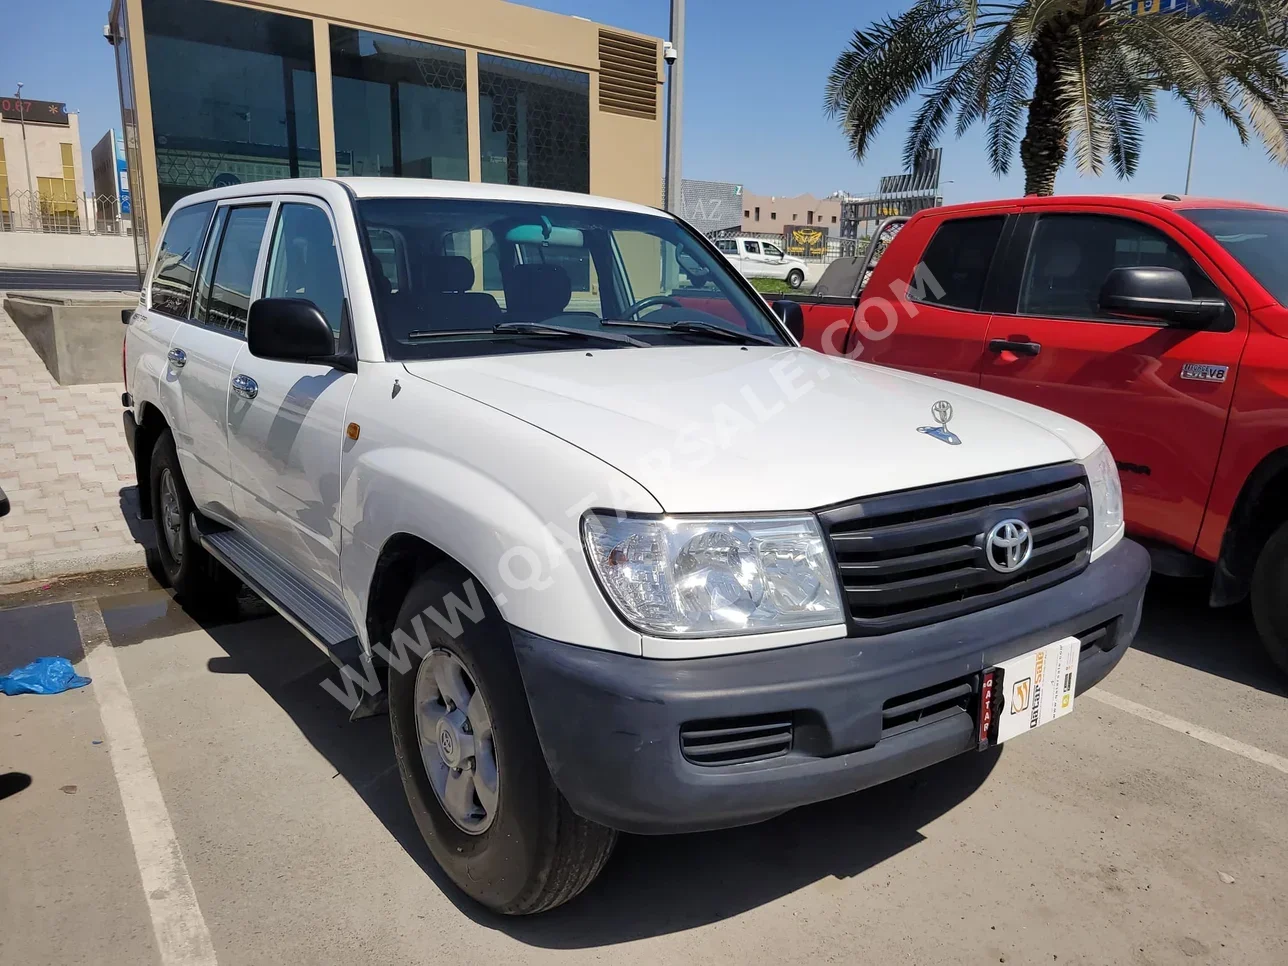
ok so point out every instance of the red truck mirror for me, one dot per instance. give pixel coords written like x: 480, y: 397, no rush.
x: 1156, y: 293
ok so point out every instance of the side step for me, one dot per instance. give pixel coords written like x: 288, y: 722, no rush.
x: 312, y: 615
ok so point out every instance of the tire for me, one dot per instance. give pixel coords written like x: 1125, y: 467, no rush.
x: 530, y: 852
x: 1270, y: 597
x: 200, y: 582
x: 795, y: 278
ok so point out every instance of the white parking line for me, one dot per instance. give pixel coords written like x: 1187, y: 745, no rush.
x: 181, y: 933
x: 1259, y: 755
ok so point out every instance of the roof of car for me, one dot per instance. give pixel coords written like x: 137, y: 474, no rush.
x: 1136, y: 201
x: 426, y: 188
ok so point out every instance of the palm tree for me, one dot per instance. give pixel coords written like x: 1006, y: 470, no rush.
x: 1086, y: 72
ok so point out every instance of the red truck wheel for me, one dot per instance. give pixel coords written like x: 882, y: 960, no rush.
x: 1270, y: 597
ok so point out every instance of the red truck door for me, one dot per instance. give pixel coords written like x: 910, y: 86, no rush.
x: 1126, y: 380
x: 927, y: 312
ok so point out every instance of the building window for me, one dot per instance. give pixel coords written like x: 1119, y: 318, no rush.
x: 534, y: 124
x: 793, y: 217
x: 400, y: 106
x: 834, y: 219
x: 773, y: 216
x: 809, y: 217
x: 758, y: 213
x: 59, y: 199
x: 234, y: 95
x: 746, y: 214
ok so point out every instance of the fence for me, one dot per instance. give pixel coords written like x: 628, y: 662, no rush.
x: 836, y: 247
x: 83, y: 214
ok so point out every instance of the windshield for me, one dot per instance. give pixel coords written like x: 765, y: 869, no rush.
x: 1256, y: 237
x: 459, y: 277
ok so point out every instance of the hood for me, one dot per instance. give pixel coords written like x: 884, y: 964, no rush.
x: 732, y: 429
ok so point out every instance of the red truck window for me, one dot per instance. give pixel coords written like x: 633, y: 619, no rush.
x: 1072, y: 255
x: 958, y: 260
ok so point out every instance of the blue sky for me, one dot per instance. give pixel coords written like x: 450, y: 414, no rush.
x: 752, y: 113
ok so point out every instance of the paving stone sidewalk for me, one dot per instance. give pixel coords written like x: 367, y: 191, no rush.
x: 67, y: 471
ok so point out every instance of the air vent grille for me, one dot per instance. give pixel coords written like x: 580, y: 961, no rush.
x: 627, y: 75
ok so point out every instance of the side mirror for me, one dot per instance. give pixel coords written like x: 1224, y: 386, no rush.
x: 289, y: 330
x: 1161, y: 294
x: 792, y: 316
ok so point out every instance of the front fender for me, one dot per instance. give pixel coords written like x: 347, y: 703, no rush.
x: 497, y: 495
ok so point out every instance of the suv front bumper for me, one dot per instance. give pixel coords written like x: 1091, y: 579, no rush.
x: 610, y: 724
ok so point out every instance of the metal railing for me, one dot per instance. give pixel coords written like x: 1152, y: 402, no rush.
x: 83, y: 214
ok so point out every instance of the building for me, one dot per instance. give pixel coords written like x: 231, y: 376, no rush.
x: 111, y: 180
x: 48, y: 194
x: 710, y: 206
x: 771, y: 213
x: 217, y: 93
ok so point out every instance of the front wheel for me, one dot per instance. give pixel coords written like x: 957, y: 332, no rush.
x: 795, y: 278
x: 471, y: 764
x: 1269, y: 600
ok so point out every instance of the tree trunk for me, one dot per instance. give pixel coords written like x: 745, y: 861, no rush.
x: 1045, y: 139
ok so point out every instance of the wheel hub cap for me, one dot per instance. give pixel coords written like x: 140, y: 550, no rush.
x: 454, y: 727
x: 171, y: 516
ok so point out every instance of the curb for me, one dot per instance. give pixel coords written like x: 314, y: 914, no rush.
x: 75, y: 563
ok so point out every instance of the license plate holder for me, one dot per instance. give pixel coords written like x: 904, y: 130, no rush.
x: 1028, y: 691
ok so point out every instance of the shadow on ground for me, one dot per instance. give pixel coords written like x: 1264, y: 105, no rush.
x: 653, y: 886
x: 1179, y: 626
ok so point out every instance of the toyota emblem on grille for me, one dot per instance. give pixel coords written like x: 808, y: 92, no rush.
x: 1008, y: 546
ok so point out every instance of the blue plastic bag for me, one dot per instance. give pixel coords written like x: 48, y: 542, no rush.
x: 45, y: 675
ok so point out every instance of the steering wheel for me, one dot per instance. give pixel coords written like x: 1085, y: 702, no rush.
x: 635, y: 309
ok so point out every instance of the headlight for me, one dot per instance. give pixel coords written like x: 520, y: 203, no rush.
x: 1106, y: 496
x: 678, y: 576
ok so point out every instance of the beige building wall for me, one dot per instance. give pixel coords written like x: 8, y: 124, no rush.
x: 44, y: 147
x: 771, y: 213
x: 625, y: 147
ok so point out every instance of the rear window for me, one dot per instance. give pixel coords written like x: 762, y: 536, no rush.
x: 1257, y: 239
x: 176, y: 267
x: 958, y: 258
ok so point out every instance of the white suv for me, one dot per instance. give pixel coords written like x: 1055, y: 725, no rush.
x: 758, y: 258
x: 622, y: 556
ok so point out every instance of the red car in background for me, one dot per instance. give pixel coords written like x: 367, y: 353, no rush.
x: 1160, y: 322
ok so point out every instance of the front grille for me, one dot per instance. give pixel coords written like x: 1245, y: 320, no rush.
x: 909, y: 711
x: 915, y: 557
x: 733, y: 741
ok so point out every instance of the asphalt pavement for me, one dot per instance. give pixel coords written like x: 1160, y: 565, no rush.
x: 23, y: 279
x: 204, y: 801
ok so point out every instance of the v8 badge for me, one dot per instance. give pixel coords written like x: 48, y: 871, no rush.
x: 1200, y: 372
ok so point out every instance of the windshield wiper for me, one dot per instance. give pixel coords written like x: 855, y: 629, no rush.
x: 694, y: 327
x: 530, y: 328
x: 541, y: 328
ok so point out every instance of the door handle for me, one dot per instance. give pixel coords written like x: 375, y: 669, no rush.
x: 1019, y: 348
x: 245, y: 386
x: 178, y: 358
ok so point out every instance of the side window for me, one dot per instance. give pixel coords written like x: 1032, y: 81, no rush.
x: 391, y: 259
x: 1071, y: 256
x: 176, y: 265
x: 752, y: 248
x: 728, y: 246
x: 958, y: 258
x: 303, y: 263
x: 201, y: 305
x: 773, y: 250
x: 230, y: 284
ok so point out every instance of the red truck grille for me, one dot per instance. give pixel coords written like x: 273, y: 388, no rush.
x: 919, y: 556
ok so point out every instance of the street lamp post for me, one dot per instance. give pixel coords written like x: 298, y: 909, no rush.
x: 674, y: 107
x: 1194, y: 137
x: 26, y: 158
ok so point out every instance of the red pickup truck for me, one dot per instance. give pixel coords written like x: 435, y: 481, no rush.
x: 1160, y: 322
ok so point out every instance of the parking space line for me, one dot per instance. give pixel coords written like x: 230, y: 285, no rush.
x: 1259, y: 755
x: 181, y: 933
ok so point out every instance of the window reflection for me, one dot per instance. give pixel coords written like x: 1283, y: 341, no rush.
x: 400, y: 106
x: 534, y: 124
x: 234, y: 95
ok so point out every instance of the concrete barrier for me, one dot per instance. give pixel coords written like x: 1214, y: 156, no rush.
x: 77, y: 336
x: 34, y: 249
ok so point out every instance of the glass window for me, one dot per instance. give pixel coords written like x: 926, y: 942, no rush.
x: 400, y: 106
x: 303, y: 263
x: 201, y: 304
x: 477, y: 264
x: 234, y: 95
x: 1256, y: 237
x: 1071, y: 256
x: 773, y: 216
x: 958, y: 259
x: 758, y: 213
x: 772, y: 250
x: 534, y: 124
x: 727, y: 245
x: 176, y: 264
x: 751, y: 247
x: 230, y: 286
